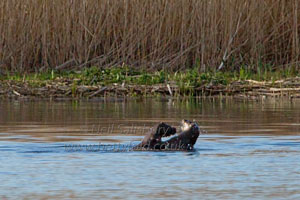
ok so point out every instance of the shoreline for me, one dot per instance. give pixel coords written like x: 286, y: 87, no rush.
x: 59, y: 89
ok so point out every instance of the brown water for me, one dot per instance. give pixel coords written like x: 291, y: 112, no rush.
x: 51, y: 150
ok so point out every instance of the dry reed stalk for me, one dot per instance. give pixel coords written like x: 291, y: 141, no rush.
x: 174, y: 34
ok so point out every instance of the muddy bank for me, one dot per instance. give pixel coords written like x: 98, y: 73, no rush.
x: 66, y: 89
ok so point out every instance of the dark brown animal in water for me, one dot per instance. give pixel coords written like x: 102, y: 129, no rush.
x: 186, y: 139
x: 183, y: 141
x: 153, y: 137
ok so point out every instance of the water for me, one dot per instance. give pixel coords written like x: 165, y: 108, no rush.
x: 250, y: 150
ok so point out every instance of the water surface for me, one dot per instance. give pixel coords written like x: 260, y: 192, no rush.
x: 249, y: 150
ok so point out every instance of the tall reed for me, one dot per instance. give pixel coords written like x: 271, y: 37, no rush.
x: 155, y: 34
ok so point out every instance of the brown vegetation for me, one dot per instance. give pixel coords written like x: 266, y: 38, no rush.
x: 65, y: 88
x: 169, y: 34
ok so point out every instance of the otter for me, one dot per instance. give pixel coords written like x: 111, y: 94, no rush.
x: 183, y: 141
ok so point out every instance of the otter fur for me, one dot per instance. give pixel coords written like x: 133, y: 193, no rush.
x: 153, y: 137
x: 183, y: 141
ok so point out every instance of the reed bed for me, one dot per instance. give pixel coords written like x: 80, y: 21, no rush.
x: 151, y: 34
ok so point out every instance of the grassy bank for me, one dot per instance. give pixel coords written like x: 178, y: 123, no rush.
x: 156, y: 34
x: 125, y: 81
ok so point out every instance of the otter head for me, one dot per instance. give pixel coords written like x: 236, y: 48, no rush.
x: 187, y: 125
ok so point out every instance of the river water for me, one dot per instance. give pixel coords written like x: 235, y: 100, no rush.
x: 81, y: 149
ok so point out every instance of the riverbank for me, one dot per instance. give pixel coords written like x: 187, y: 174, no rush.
x: 121, y: 82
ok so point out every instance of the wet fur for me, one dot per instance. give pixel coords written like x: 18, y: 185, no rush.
x: 183, y: 141
x: 186, y: 139
x: 153, y: 137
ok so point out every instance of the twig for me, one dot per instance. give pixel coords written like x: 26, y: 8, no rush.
x: 98, y: 91
x: 16, y: 93
x: 226, y: 53
x: 66, y: 64
x: 170, y: 91
x: 90, y: 61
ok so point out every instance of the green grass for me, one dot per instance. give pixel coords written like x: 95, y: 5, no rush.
x: 184, y: 79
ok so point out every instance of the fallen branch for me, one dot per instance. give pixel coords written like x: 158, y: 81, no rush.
x: 284, y: 89
x: 169, y: 88
x: 16, y: 93
x: 98, y: 92
x: 66, y: 64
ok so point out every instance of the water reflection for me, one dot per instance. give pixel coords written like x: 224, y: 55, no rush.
x: 48, y: 120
